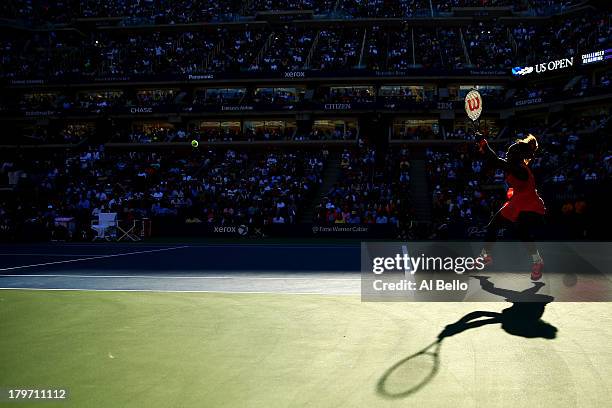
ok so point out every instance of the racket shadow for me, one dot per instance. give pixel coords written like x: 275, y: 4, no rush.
x: 522, y: 319
x: 431, y: 353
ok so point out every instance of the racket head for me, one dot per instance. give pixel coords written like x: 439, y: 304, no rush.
x: 473, y: 104
x: 411, y: 373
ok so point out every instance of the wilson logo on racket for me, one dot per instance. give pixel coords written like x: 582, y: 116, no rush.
x: 473, y: 104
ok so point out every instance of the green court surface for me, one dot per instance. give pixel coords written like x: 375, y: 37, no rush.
x: 143, y: 349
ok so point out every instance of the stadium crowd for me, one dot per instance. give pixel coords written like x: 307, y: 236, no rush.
x: 365, y: 193
x: 225, y: 186
x: 132, y: 12
x: 259, y: 48
x: 220, y: 187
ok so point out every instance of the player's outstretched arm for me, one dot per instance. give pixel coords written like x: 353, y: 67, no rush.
x: 491, y: 157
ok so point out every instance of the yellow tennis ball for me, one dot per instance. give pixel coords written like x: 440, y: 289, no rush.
x: 194, y: 143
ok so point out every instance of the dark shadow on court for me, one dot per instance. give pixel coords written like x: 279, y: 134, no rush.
x: 523, y: 318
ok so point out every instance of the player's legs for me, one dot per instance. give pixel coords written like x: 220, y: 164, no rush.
x: 498, y: 221
x: 526, y: 225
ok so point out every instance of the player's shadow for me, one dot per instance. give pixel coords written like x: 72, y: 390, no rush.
x: 523, y: 318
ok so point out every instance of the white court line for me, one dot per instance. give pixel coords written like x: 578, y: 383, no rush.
x: 90, y: 258
x: 44, y: 254
x: 174, y: 277
x: 408, y: 273
x: 182, y: 291
x: 198, y: 245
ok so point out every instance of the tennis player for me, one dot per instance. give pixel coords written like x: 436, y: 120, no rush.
x: 524, y: 209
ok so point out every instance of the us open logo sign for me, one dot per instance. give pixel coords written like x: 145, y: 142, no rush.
x: 473, y: 104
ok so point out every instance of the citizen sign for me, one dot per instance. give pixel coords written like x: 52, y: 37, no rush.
x: 334, y: 106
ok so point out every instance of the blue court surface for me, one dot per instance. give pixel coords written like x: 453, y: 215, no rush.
x: 189, y: 267
x: 238, y: 267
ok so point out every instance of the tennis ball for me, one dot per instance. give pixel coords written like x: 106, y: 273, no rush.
x: 194, y: 143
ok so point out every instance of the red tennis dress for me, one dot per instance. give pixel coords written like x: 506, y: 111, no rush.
x: 522, y: 197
